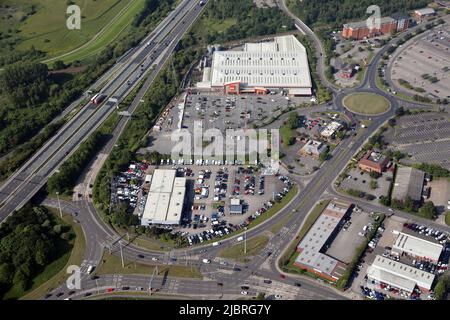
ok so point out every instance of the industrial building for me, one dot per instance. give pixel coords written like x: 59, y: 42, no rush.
x: 373, y: 162
x: 360, y: 29
x: 312, y: 248
x: 416, y: 247
x: 399, y: 275
x: 408, y: 183
x: 423, y: 13
x: 259, y: 67
x: 165, y: 200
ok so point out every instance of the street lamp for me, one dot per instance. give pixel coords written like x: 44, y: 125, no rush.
x: 59, y: 204
x: 245, y: 240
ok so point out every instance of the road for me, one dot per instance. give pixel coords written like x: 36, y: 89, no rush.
x: 158, y: 46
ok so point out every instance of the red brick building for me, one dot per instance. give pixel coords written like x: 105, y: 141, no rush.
x: 373, y: 162
x: 360, y: 30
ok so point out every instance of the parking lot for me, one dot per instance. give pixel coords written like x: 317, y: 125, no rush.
x: 343, y: 246
x: 440, y: 194
x: 220, y: 112
x: 211, y: 191
x: 424, y: 136
x: 360, y: 180
x: 425, y: 63
x: 126, y: 189
x: 383, y: 245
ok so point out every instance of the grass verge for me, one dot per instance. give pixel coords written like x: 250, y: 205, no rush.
x: 254, y: 246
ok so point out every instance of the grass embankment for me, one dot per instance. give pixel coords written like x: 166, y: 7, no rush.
x: 118, y: 25
x: 55, y: 274
x: 254, y: 246
x: 366, y: 103
x: 46, y: 28
x: 112, y: 264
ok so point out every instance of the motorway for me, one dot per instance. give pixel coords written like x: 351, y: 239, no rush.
x: 100, y: 237
x: 30, y: 178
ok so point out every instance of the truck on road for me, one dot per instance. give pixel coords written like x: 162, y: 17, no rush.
x: 98, y: 98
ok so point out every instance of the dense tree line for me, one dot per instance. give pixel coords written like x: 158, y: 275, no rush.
x: 251, y: 20
x: 336, y: 12
x: 65, y: 179
x: 29, y: 240
x: 163, y: 89
x: 433, y: 169
x: 21, y: 125
x: 150, y: 6
x: 15, y: 56
x: 25, y: 84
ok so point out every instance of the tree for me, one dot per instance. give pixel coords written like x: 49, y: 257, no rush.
x: 428, y: 210
x: 374, y: 175
x: 441, y: 288
x: 58, y: 65
x: 373, y: 184
x: 384, y: 201
x: 400, y: 111
x: 293, y: 120
x: 260, y: 296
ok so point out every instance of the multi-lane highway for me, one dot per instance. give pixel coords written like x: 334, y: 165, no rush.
x: 153, y: 52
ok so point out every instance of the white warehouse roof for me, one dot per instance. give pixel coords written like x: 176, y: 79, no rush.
x: 417, y: 247
x: 165, y: 199
x: 282, y: 63
x: 399, y: 274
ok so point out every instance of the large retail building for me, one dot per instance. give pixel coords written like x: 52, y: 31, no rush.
x: 259, y: 67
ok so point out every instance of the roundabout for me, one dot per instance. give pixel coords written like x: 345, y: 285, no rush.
x: 366, y: 103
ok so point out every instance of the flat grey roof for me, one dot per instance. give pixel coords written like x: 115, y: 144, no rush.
x: 408, y: 182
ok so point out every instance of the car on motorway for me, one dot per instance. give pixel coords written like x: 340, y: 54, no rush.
x: 268, y: 281
x: 282, y: 276
x: 154, y: 259
x: 87, y: 294
x: 141, y: 256
x: 59, y: 294
x: 71, y: 292
x: 207, y: 261
x: 47, y: 295
x: 244, y: 293
x: 298, y: 284
x: 236, y: 269
x: 278, y: 297
x: 220, y: 284
x: 245, y: 287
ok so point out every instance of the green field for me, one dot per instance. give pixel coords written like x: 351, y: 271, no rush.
x: 366, y: 103
x: 46, y: 29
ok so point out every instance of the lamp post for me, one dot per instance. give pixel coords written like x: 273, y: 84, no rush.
x: 59, y: 204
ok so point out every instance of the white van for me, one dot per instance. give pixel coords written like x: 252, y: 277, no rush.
x: 90, y: 269
x: 240, y: 239
x: 206, y: 261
